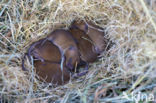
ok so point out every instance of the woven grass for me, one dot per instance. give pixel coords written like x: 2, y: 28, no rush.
x: 128, y: 67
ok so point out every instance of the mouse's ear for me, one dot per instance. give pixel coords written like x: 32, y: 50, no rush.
x: 83, y: 25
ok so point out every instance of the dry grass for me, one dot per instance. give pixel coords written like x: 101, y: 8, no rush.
x: 129, y: 67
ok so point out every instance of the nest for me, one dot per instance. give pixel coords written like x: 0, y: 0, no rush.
x: 128, y: 67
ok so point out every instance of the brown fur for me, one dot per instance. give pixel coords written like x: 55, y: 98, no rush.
x: 94, y: 32
x: 51, y: 72
x: 47, y: 51
x: 47, y: 59
x: 85, y: 46
x: 67, y: 46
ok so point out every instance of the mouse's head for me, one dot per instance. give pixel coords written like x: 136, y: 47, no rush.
x: 72, y: 57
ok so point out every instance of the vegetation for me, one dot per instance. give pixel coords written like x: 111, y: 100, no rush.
x: 127, y: 69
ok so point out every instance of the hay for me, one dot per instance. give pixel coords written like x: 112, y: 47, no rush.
x: 128, y: 67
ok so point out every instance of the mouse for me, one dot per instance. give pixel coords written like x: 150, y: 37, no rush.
x: 85, y: 46
x: 95, y: 32
x: 67, y: 45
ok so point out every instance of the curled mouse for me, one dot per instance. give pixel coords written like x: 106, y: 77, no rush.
x: 85, y: 46
x: 66, y: 44
x: 95, y: 32
x: 47, y: 51
x: 42, y: 51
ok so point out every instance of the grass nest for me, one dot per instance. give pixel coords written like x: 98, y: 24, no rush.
x: 126, y: 70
